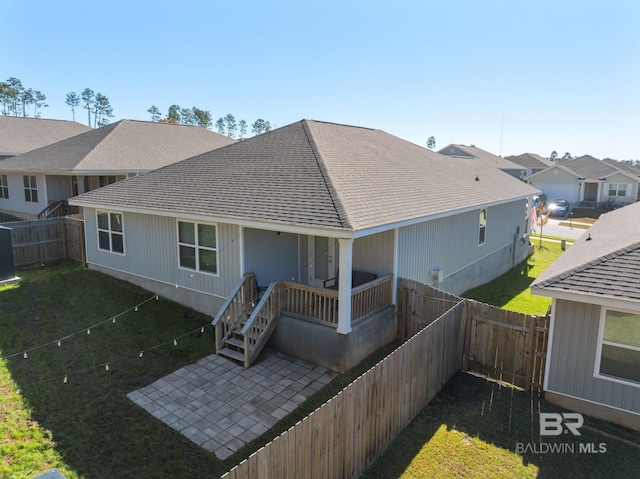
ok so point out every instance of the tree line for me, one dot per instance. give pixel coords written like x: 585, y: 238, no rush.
x: 17, y: 100
x: 225, y: 125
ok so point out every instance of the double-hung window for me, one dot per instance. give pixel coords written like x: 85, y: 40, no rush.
x: 618, y: 355
x: 110, y: 232
x: 198, y: 246
x: 4, y: 187
x: 617, y: 189
x: 482, y: 227
x: 30, y: 188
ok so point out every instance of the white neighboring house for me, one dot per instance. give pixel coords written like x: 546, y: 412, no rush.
x: 593, y: 358
x: 331, y: 212
x: 587, y: 181
x: 39, y: 183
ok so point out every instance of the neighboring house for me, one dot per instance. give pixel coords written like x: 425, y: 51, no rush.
x: 531, y: 162
x: 632, y: 170
x: 21, y: 134
x: 587, y: 181
x: 486, y: 159
x: 36, y: 182
x: 300, y: 206
x: 593, y: 357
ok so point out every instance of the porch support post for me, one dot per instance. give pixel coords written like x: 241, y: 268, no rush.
x: 344, y: 285
x: 394, y: 285
x: 241, y: 247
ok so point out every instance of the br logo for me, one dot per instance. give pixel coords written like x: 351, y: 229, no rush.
x: 554, y: 424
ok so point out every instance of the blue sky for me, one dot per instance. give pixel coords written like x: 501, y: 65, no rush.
x: 507, y: 76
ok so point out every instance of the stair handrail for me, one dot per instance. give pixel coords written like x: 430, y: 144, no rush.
x: 51, y: 208
x: 272, y: 290
x: 249, y: 280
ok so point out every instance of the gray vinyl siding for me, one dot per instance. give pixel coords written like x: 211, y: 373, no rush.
x: 573, y: 358
x: 374, y: 254
x: 451, y: 245
x: 151, y: 251
x: 59, y: 187
x: 16, y: 202
x: 271, y: 256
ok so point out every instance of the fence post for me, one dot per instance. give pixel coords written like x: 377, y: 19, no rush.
x: 401, y: 315
x: 528, y: 353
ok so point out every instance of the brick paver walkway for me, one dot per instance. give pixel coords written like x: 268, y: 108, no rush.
x: 221, y: 406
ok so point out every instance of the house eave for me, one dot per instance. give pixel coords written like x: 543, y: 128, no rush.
x: 583, y: 297
x: 283, y: 227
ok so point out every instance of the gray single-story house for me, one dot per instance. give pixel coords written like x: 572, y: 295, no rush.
x: 37, y: 182
x: 326, y: 216
x: 593, y: 356
x: 587, y: 181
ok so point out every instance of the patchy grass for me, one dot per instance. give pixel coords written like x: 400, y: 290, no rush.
x: 86, y: 427
x: 476, y: 428
x: 511, y: 290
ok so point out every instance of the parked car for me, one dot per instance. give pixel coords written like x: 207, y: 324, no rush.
x: 559, y: 208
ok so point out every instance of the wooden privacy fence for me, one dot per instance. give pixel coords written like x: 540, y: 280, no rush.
x: 500, y: 344
x: 342, y: 438
x: 41, y: 241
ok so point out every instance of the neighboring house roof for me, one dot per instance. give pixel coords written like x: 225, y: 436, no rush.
x: 315, y: 174
x: 462, y: 151
x: 21, y: 134
x: 623, y: 166
x: 589, y: 168
x: 604, y: 262
x: 530, y: 160
x: 124, y: 146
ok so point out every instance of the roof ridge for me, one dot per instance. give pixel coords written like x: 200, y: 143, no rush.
x: 95, y: 146
x: 339, y: 124
x: 333, y: 192
x: 594, y: 262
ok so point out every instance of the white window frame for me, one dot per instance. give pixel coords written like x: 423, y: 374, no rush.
x: 198, y: 247
x: 110, y: 231
x: 482, y: 226
x: 616, y: 187
x: 31, y: 189
x: 601, y: 341
x: 4, y: 187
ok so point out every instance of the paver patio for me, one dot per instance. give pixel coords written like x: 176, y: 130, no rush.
x: 221, y: 406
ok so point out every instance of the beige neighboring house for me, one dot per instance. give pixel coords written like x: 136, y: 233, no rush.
x: 21, y: 134
x: 485, y: 158
x: 39, y: 183
x: 587, y: 182
x: 593, y: 358
x: 532, y: 162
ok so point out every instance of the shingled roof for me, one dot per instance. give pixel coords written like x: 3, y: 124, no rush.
x: 21, y: 134
x: 315, y: 174
x: 530, y: 160
x: 489, y: 159
x: 633, y: 170
x: 125, y: 146
x: 604, y: 262
x: 589, y: 168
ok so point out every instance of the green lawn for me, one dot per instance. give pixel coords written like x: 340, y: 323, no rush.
x: 511, y: 290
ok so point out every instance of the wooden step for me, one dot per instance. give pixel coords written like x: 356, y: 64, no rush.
x: 232, y: 354
x: 236, y: 342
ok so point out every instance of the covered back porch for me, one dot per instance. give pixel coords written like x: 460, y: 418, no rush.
x: 332, y: 298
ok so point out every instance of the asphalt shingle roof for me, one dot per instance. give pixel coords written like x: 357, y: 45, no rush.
x: 319, y: 174
x: 607, y: 264
x: 633, y: 170
x: 489, y: 159
x: 22, y: 134
x: 588, y: 167
x: 530, y: 160
x: 124, y: 146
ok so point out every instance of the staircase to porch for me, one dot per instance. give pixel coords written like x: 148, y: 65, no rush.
x: 244, y: 325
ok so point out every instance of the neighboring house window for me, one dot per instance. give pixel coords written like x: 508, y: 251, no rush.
x: 482, y: 229
x: 617, y: 189
x: 110, y: 232
x: 30, y: 189
x: 107, y: 180
x: 4, y: 187
x: 619, y: 346
x: 197, y: 246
